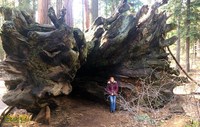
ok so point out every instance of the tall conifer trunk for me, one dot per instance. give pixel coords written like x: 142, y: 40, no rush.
x: 69, y: 13
x: 43, y: 6
x: 187, y: 47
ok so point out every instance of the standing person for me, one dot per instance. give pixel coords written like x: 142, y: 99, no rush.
x: 112, y: 89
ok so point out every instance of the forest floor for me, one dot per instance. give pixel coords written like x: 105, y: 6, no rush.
x: 76, y: 112
x: 182, y: 111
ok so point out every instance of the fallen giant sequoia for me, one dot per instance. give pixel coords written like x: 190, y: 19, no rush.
x: 47, y: 61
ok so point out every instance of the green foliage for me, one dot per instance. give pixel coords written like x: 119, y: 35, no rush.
x: 24, y: 4
x: 6, y: 3
x: 111, y: 5
x: 18, y: 118
x: 137, y: 4
x: 177, y: 10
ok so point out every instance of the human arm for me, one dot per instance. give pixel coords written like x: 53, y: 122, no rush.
x: 108, y: 89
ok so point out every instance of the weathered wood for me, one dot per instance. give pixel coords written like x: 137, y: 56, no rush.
x: 57, y: 22
x: 168, y: 42
x: 44, y: 116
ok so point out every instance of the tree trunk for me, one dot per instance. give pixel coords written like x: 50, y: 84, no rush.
x: 87, y: 14
x: 195, y: 50
x: 188, y: 37
x: 83, y: 15
x: 42, y: 11
x: 178, y: 46
x: 34, y: 9
x: 198, y: 48
x: 69, y: 13
x: 94, y: 10
x: 44, y: 62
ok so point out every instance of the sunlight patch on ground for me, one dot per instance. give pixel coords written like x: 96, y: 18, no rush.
x: 176, y: 121
x: 186, y: 89
x: 192, y: 90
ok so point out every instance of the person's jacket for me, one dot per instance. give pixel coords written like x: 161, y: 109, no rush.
x: 112, y: 88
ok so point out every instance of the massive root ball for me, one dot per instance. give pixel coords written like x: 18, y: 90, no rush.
x: 41, y: 61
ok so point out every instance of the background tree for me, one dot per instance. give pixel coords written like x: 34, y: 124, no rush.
x: 34, y: 6
x: 59, y: 6
x: 83, y: 15
x: 198, y: 48
x: 187, y: 47
x: 94, y: 10
x: 87, y: 14
x: 194, y: 25
x: 43, y: 11
x: 178, y: 10
x: 110, y: 6
x: 25, y: 4
x: 180, y: 15
x: 69, y: 14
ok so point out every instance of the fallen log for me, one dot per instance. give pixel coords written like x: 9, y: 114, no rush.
x: 51, y: 60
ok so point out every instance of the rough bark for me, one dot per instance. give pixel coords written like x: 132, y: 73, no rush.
x: 43, y: 62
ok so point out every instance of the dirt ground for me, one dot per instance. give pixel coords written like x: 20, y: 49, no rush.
x: 79, y: 112
x: 84, y: 113
x: 76, y: 112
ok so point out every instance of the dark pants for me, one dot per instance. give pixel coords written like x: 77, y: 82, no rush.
x: 112, y: 103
